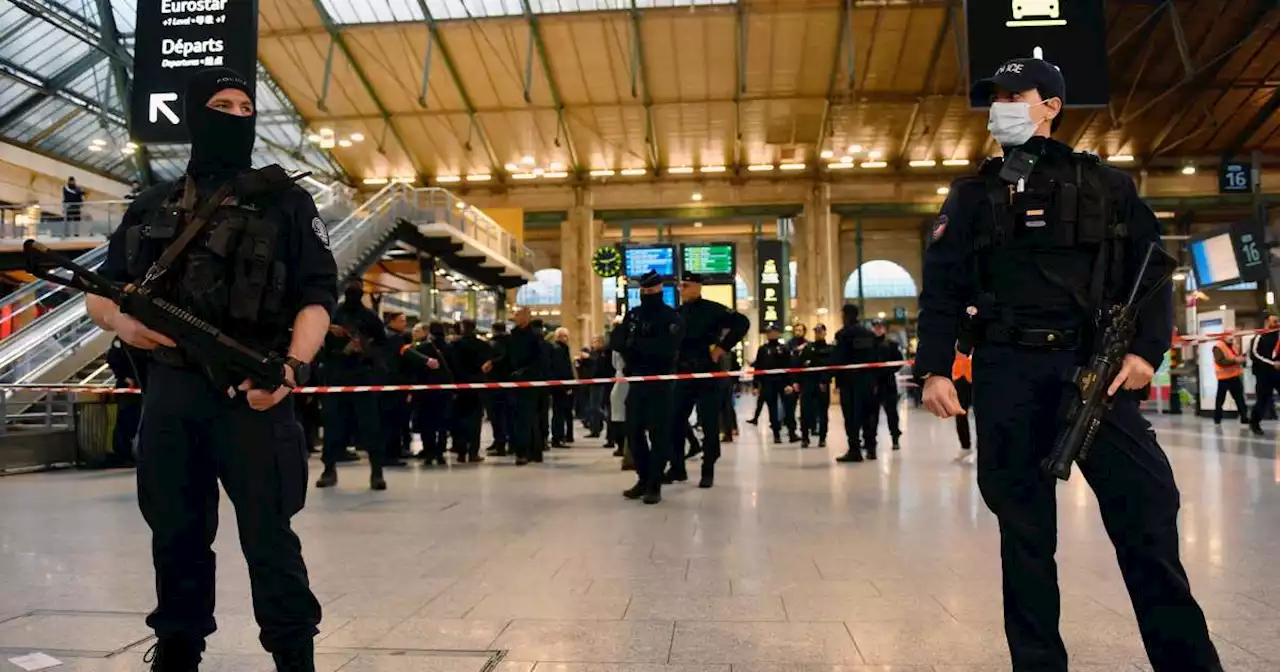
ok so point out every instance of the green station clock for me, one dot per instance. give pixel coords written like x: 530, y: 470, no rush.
x: 607, y: 262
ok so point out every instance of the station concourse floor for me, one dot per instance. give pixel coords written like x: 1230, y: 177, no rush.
x: 792, y: 563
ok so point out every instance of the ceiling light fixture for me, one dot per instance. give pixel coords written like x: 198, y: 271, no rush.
x: 633, y: 172
x: 1188, y: 170
x: 1120, y: 158
x: 846, y: 159
x: 874, y: 164
x: 404, y: 180
x: 943, y: 191
x: 680, y: 170
x: 527, y: 160
x: 697, y: 196
x: 375, y: 181
x: 839, y: 166
x: 556, y: 165
x: 448, y: 179
x: 357, y: 137
x: 922, y: 163
x: 792, y: 166
x: 854, y: 149
x: 874, y: 154
x: 314, y: 138
x: 482, y: 177
x: 712, y: 169
x: 462, y: 205
x: 956, y: 162
x: 95, y: 148
x: 697, y: 225
x: 555, y: 175
x: 1165, y: 214
x: 511, y: 167
x: 523, y: 176
x: 760, y: 167
x: 826, y: 154
x: 344, y: 143
x: 603, y: 173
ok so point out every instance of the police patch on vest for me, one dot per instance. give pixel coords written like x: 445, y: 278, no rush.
x: 940, y: 227
x: 322, y: 232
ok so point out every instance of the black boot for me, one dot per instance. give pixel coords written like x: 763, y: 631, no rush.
x: 174, y: 655
x: 1256, y: 429
x: 653, y: 494
x: 708, y: 476
x: 302, y: 659
x: 328, y: 479
x: 791, y: 437
x: 854, y: 455
x: 777, y: 437
x: 376, y: 480
x: 804, y: 440
x: 636, y: 491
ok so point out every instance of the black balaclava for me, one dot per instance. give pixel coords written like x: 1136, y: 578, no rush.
x: 221, y: 143
x: 353, y: 293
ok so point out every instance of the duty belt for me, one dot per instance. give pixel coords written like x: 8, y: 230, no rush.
x: 1049, y: 339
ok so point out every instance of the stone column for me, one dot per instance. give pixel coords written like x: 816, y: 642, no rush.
x: 581, y: 297
x: 818, y: 260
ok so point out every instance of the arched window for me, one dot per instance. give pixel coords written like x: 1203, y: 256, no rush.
x: 545, y: 290
x: 881, y: 279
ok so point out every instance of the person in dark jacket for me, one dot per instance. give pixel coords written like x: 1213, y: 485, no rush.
x: 815, y: 388
x: 790, y: 402
x: 561, y: 368
x: 886, y: 384
x: 775, y: 355
x: 501, y: 402
x: 600, y: 365
x: 1265, y: 353
x: 524, y: 357
x: 433, y: 363
x: 855, y: 344
x: 129, y: 366
x: 469, y: 354
x: 353, y: 352
x: 395, y: 405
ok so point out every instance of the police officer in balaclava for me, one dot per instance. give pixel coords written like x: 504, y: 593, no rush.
x: 260, y: 270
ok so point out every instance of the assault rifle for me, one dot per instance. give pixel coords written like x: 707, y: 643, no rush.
x: 1089, y: 401
x: 225, y: 360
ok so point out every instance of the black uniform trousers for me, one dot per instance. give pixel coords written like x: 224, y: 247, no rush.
x: 562, y: 415
x: 771, y: 392
x: 395, y: 424
x: 1234, y: 387
x: 1017, y: 394
x: 467, y: 420
x: 706, y: 395
x: 814, y: 409
x: 544, y: 419
x: 649, y: 427
x: 193, y: 437
x: 526, y: 440
x: 728, y: 414
x: 1265, y: 385
x: 789, y: 404
x: 502, y: 418
x: 432, y: 410
x: 884, y: 397
x: 857, y: 396
x: 355, y: 415
x: 128, y: 416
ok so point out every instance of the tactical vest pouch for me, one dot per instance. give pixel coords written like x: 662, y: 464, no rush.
x: 273, y: 299
x: 165, y: 223
x: 252, y: 269
x: 224, y: 237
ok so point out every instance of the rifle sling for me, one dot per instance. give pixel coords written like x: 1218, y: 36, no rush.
x: 199, y: 220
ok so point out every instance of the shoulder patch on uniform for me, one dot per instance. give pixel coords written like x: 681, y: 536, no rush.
x: 940, y: 226
x: 321, y: 231
x: 675, y: 329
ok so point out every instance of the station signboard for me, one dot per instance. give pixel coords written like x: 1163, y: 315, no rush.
x: 176, y: 39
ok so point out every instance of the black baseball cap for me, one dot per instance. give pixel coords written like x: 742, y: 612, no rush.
x: 1022, y: 74
x: 650, y: 280
x: 690, y: 276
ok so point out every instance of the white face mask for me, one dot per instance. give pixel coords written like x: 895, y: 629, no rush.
x: 1011, y: 124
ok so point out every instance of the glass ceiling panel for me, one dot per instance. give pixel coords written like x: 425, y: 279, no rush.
x: 388, y: 11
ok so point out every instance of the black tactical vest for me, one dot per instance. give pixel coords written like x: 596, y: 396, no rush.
x: 1047, y: 254
x: 230, y: 274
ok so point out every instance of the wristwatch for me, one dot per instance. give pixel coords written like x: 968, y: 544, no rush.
x: 301, y: 370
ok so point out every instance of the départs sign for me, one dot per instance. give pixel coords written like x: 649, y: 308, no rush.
x: 176, y: 39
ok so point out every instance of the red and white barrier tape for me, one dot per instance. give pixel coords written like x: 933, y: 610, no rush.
x: 493, y: 386
x: 1205, y: 338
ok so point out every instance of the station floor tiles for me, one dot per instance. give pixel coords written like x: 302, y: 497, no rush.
x: 792, y: 563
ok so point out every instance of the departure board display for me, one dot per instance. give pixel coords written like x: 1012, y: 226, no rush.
x: 668, y: 296
x: 641, y: 260
x: 714, y: 260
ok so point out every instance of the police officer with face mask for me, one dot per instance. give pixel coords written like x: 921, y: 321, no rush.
x: 260, y: 270
x: 1040, y: 244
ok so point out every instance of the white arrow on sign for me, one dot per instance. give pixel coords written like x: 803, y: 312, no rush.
x: 160, y: 105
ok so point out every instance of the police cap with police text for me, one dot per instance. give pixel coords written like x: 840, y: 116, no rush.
x: 690, y: 276
x: 650, y: 280
x: 1022, y: 74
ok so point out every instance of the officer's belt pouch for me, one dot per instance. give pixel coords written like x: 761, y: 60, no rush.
x: 253, y: 266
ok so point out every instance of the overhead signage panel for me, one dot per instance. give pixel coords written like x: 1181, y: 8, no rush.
x: 176, y: 39
x: 1235, y: 177
x: 1071, y: 34
x: 772, y: 298
x: 714, y: 261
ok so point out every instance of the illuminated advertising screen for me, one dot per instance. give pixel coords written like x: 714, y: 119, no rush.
x: 1071, y: 34
x: 642, y: 259
x: 714, y: 261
